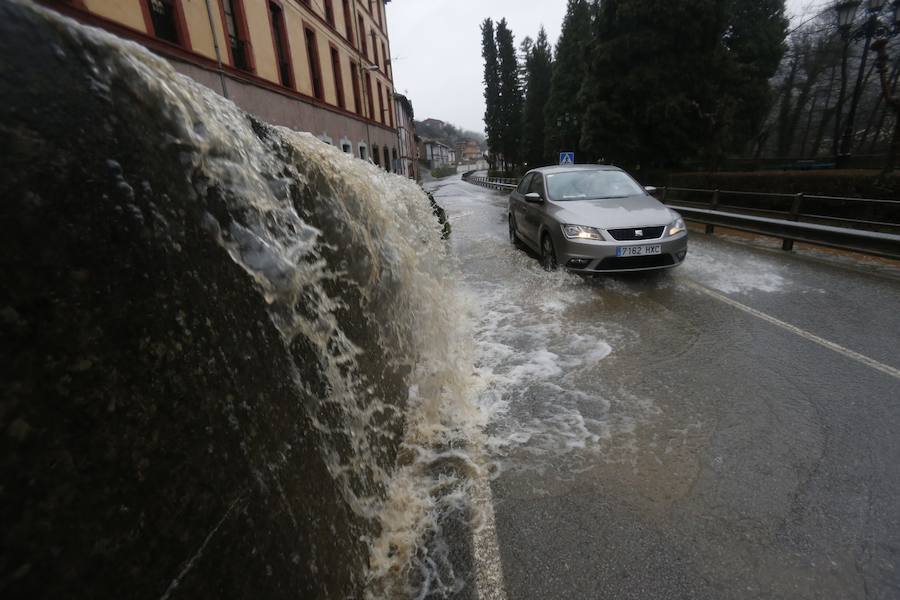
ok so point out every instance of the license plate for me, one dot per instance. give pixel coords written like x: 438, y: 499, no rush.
x: 638, y: 250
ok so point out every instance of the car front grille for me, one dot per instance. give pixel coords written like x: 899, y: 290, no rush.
x: 616, y: 263
x: 630, y: 234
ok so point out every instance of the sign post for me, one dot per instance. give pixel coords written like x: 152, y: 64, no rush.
x: 566, y: 158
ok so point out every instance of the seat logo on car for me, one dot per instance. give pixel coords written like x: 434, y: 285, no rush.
x: 638, y: 232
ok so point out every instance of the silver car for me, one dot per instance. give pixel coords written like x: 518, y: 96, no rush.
x: 594, y: 219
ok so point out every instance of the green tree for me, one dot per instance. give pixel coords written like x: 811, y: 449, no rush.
x: 538, y: 77
x: 674, y: 79
x: 510, y: 97
x: 491, y: 87
x: 753, y: 44
x: 565, y: 107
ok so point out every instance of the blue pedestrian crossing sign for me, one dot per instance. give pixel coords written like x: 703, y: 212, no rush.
x: 567, y: 158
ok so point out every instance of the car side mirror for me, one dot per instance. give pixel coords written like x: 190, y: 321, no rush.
x: 533, y: 197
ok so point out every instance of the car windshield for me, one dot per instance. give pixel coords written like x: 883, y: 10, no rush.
x: 588, y: 185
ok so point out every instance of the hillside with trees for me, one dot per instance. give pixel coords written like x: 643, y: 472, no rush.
x: 446, y: 133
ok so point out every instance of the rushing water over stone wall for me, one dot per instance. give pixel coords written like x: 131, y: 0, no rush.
x: 228, y: 349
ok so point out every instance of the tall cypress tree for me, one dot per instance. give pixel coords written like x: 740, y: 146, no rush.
x: 538, y: 74
x: 491, y: 87
x: 510, y: 104
x: 565, y: 108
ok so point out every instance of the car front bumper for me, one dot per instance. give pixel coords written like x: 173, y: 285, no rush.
x: 589, y: 256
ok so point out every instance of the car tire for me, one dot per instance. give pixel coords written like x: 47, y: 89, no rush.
x: 548, y: 254
x: 513, y: 236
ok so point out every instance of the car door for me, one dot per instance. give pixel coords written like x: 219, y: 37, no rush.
x: 533, y: 212
x: 517, y: 203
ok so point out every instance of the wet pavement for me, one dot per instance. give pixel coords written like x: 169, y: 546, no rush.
x: 728, y: 429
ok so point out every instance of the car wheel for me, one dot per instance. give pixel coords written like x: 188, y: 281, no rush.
x: 513, y: 236
x: 548, y: 254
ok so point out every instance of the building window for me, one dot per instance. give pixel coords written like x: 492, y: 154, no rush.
x: 387, y: 160
x: 346, y: 148
x: 380, y: 104
x: 167, y: 21
x: 238, y: 38
x: 280, y: 41
x: 315, y: 69
x: 397, y: 165
x: 329, y: 12
x: 384, y: 57
x: 338, y: 77
x: 362, y: 151
x: 354, y: 77
x: 375, y: 48
x: 376, y: 156
x: 348, y: 23
x: 362, y: 36
x: 369, y: 94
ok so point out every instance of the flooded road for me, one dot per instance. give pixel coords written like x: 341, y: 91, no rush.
x: 238, y: 363
x: 724, y: 430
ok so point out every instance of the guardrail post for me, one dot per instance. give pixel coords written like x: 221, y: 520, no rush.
x: 713, y: 205
x: 788, y: 244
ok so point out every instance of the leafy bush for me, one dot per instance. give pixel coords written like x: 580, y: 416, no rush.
x: 443, y: 172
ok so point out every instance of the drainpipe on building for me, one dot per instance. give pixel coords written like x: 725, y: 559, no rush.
x: 389, y: 66
x: 399, y: 164
x: 362, y: 71
x: 212, y: 30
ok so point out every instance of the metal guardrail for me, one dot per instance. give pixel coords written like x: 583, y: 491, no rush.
x: 858, y: 217
x: 855, y: 213
x: 494, y: 183
x: 873, y: 234
x: 843, y: 238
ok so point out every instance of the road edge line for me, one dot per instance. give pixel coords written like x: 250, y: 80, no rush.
x: 485, y: 546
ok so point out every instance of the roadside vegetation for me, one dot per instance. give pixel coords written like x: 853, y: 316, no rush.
x: 668, y: 86
x: 443, y: 172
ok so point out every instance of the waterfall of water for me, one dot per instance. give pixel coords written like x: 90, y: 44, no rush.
x: 232, y: 355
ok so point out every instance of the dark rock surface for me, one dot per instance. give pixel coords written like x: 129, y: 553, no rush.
x: 154, y: 443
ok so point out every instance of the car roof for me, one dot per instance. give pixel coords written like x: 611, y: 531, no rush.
x: 572, y: 168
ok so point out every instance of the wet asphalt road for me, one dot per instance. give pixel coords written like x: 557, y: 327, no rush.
x: 653, y: 440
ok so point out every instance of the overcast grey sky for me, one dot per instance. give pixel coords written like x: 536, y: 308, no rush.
x: 436, y: 46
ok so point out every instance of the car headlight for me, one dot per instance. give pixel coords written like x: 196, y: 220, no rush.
x: 580, y: 232
x: 676, y: 227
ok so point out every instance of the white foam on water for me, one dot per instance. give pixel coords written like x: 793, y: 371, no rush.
x: 732, y: 272
x: 529, y: 356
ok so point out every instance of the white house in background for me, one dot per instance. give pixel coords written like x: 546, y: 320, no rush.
x: 408, y: 161
x: 435, y: 154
